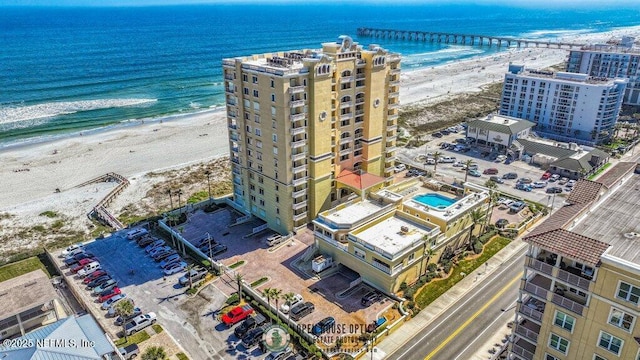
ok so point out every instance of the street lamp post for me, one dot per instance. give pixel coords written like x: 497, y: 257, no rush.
x: 210, y: 250
x: 208, y: 173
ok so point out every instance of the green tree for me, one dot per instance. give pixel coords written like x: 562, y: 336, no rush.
x: 492, y: 186
x: 266, y: 293
x: 467, y: 164
x: 276, y: 293
x: 155, y: 353
x: 239, y: 278
x: 124, y: 308
x: 476, y: 217
x: 189, y: 268
x: 288, y: 298
x: 436, y: 157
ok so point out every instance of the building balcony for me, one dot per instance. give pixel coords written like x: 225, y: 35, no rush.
x: 296, y: 103
x: 299, y: 205
x: 539, y: 266
x: 536, y: 290
x: 359, y: 100
x: 228, y: 76
x: 523, y: 349
x: 357, y: 146
x: 296, y: 117
x: 229, y: 90
x: 236, y: 170
x: 299, y: 193
x: 299, y: 156
x: 235, y: 160
x: 298, y: 217
x: 528, y: 331
x: 346, y: 79
x: 346, y: 151
x: 346, y: 116
x: 299, y: 169
x: 296, y: 89
x: 567, y: 303
x: 394, y: 82
x: 393, y: 105
x: 390, y: 149
x: 346, y: 104
x: 532, y: 309
x: 383, y: 268
x: 298, y: 130
x: 395, y: 71
x: 391, y: 137
x: 237, y: 181
x: 299, y: 181
x: 298, y: 144
x: 231, y: 114
x: 346, y: 139
x: 573, y: 279
x: 393, y: 116
x: 361, y: 76
x: 235, y: 149
x: 359, y: 112
x: 390, y: 158
x: 389, y: 169
x: 231, y: 102
x: 234, y: 136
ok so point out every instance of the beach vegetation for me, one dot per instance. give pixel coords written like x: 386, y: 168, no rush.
x: 58, y: 224
x: 182, y: 356
x: 198, y: 197
x: 49, y: 214
x: 22, y: 267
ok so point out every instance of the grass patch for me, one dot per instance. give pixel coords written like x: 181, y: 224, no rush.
x: 157, y: 328
x: 136, y: 338
x: 22, y: 267
x: 197, y: 197
x: 58, y: 224
x: 237, y: 264
x: 259, y: 282
x: 434, y: 289
x: 49, y: 214
x: 182, y: 356
x: 600, y: 171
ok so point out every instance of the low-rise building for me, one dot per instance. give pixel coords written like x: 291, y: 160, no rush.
x: 498, y: 131
x: 390, y: 237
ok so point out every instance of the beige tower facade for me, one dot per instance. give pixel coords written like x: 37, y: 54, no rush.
x: 302, y: 121
x: 580, y: 293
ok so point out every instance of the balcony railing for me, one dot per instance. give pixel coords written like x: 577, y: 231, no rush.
x: 296, y: 89
x: 573, y: 279
x: 228, y: 76
x: 540, y: 266
x: 299, y: 181
x: 300, y: 216
x: 235, y: 160
x: 300, y: 156
x: 298, y: 130
x: 380, y: 267
x: 300, y: 205
x: 346, y: 104
x: 299, y: 143
x: 346, y: 79
x: 298, y: 169
x: 346, y: 116
x: 522, y: 352
x: 390, y: 149
x: 393, y: 116
x: 393, y: 105
x: 393, y: 93
x: 296, y: 103
x: 394, y: 71
x: 361, y: 76
x: 531, y: 313
x: 296, y: 117
x: 526, y: 333
x: 346, y: 139
x: 297, y: 194
x: 388, y: 169
x: 229, y: 90
x: 567, y: 304
x: 536, y: 290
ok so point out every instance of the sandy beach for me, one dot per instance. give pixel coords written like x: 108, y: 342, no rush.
x: 31, y: 174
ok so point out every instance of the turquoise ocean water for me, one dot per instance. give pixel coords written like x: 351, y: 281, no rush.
x: 65, y: 70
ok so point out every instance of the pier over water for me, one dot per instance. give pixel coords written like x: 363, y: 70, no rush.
x: 461, y: 39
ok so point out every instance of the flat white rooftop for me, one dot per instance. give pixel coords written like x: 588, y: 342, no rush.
x: 389, y: 239
x: 350, y: 214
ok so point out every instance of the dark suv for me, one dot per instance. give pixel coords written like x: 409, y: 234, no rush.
x: 253, y: 337
x: 250, y: 323
x: 510, y: 176
x: 369, y: 298
x: 301, y: 310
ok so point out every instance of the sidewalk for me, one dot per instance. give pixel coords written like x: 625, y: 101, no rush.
x: 416, y: 325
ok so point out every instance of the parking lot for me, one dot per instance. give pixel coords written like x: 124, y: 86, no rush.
x: 416, y: 158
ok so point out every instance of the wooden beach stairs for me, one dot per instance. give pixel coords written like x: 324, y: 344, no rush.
x: 100, y: 211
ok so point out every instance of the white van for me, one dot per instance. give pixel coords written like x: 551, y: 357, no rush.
x: 136, y: 234
x: 89, y: 268
x: 274, y: 240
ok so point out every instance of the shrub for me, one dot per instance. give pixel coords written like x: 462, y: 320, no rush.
x: 232, y: 299
x: 477, y: 247
x: 259, y: 282
x: 446, y: 267
x: 403, y: 286
x: 432, y: 267
x: 49, y: 214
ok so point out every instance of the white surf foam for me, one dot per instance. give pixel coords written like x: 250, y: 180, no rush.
x: 14, y: 114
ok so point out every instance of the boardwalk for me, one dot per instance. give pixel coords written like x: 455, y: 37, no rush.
x: 100, y: 210
x: 461, y: 39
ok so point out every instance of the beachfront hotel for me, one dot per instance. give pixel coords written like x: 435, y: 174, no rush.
x: 610, y: 61
x: 391, y: 237
x: 310, y: 128
x: 580, y: 289
x: 565, y: 106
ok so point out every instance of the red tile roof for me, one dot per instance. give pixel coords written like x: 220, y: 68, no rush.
x: 611, y: 176
x: 570, y: 244
x: 585, y: 191
x: 359, y: 179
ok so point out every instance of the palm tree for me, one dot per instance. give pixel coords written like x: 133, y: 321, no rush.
x: 492, y: 186
x: 276, y: 293
x: 208, y: 174
x: 154, y: 353
x: 125, y: 309
x: 170, y: 193
x: 179, y: 193
x: 288, y: 298
x: 189, y: 268
x: 239, y: 278
x: 467, y: 164
x: 475, y: 216
x: 436, y: 158
x: 266, y: 293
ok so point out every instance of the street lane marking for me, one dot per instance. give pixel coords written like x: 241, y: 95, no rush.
x: 475, y: 315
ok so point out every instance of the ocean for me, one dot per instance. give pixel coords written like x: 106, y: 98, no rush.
x: 67, y: 70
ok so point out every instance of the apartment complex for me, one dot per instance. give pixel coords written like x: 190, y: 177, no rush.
x: 565, y: 106
x: 299, y: 121
x: 580, y: 289
x: 391, y: 237
x: 610, y: 61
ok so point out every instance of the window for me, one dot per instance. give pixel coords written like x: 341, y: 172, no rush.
x: 275, y: 151
x: 259, y: 144
x: 256, y: 118
x: 273, y: 111
x: 261, y: 191
x: 246, y: 91
x: 610, y: 342
x: 550, y: 357
x: 564, y: 321
x: 598, y: 357
x: 255, y: 93
x: 411, y: 257
x: 273, y: 83
x: 559, y: 343
x: 254, y: 79
x: 245, y: 77
x: 628, y: 293
x: 621, y: 319
x: 275, y: 138
x: 273, y: 97
x: 258, y: 132
x: 256, y: 106
x: 248, y: 128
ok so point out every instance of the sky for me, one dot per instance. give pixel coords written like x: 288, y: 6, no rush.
x: 524, y: 3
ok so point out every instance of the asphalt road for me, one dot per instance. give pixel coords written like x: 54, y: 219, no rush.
x: 471, y: 321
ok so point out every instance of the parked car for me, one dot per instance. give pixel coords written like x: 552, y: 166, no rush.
x: 70, y: 261
x: 447, y: 160
x: 253, y: 337
x: 72, y: 250
x: 114, y: 300
x: 206, y: 239
x: 475, y: 173
x: 370, y: 298
x: 490, y: 171
x: 108, y: 294
x: 175, y: 268
x: 280, y: 355
x: 136, y: 233
x: 158, y: 250
x: 154, y: 245
x: 196, y: 275
x: 570, y: 183
x: 249, y: 323
x: 94, y: 275
x: 323, y: 325
x: 399, y: 168
x: 502, y: 223
x: 430, y: 161
x: 98, y: 281
x: 539, y: 184
x: 89, y: 268
x: 80, y: 264
x: 297, y: 298
x: 237, y: 314
x: 170, y: 259
x: 218, y: 249
x: 510, y: 176
x: 129, y: 352
x: 505, y: 201
x: 525, y: 181
x: 563, y: 181
x: 146, y: 241
x: 554, y: 177
x: 120, y: 320
x: 501, y: 158
x: 301, y: 310
x: 554, y: 190
x: 437, y: 135
x: 471, y: 167
x: 524, y: 187
x: 160, y: 255
x: 517, y: 206
x: 107, y: 285
x: 546, y: 176
x: 140, y: 322
x: 496, y: 179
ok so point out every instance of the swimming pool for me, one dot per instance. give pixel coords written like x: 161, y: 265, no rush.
x: 436, y: 201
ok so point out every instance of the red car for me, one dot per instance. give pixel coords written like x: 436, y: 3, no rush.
x: 237, y: 314
x: 546, y: 176
x: 80, y: 265
x: 94, y: 275
x: 109, y: 294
